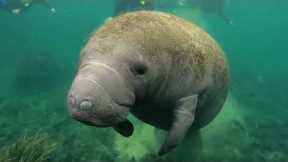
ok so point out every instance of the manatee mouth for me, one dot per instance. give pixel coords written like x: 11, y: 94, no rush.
x: 122, y: 126
x: 101, y: 119
x: 126, y: 105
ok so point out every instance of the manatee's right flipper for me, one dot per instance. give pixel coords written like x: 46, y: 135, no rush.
x: 184, y: 117
x: 124, y: 128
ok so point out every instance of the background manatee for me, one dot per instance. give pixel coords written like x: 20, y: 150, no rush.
x: 166, y: 71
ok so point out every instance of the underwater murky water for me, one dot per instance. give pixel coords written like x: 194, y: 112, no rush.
x: 39, y: 57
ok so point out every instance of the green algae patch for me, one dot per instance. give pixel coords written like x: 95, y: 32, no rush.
x: 29, y: 148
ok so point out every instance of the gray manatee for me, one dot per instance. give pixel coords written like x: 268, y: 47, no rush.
x: 166, y: 71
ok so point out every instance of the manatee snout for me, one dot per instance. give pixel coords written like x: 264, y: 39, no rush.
x: 99, y: 101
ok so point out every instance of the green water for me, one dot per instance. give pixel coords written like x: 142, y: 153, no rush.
x: 39, y: 57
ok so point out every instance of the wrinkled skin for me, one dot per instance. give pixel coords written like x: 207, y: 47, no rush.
x: 165, y: 71
x: 99, y: 96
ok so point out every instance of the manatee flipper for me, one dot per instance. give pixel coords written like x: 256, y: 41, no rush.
x: 184, y: 117
x: 124, y: 128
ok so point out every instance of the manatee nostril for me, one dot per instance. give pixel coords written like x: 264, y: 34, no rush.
x: 85, y: 105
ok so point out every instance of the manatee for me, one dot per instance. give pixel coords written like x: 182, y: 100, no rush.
x: 166, y: 71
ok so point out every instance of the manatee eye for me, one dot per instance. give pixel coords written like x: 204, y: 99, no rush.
x: 139, y: 69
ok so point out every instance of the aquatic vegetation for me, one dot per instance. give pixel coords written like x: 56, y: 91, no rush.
x: 29, y: 148
x: 73, y: 139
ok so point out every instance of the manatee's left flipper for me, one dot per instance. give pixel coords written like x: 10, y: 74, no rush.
x: 184, y: 117
x: 124, y: 128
